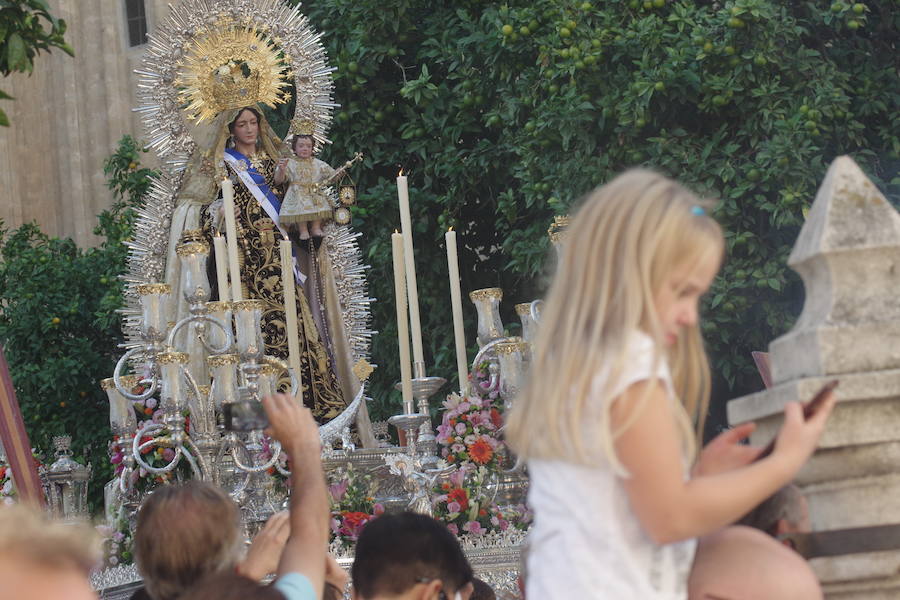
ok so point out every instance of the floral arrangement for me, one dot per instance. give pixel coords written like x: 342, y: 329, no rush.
x: 352, y: 506
x: 277, y: 471
x: 462, y: 503
x: 147, y: 412
x: 469, y: 432
x: 7, y: 488
x: 117, y: 543
x: 7, y: 485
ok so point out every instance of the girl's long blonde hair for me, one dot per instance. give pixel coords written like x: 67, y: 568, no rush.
x: 627, y: 236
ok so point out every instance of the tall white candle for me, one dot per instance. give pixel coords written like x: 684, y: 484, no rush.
x: 290, y: 314
x: 412, y: 289
x: 221, y: 267
x: 231, y: 238
x: 459, y: 333
x: 402, y: 323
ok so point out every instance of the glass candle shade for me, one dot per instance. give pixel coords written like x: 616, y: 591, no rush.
x: 487, y: 303
x: 194, y: 282
x: 529, y: 327
x: 154, y: 299
x: 268, y: 376
x: 122, y: 419
x: 511, y: 356
x: 224, y: 378
x: 248, y: 328
x: 172, y: 397
x: 221, y: 312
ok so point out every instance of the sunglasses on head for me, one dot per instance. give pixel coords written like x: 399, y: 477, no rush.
x: 442, y: 595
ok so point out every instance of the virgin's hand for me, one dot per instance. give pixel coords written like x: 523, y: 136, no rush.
x: 726, y: 452
x: 798, y: 439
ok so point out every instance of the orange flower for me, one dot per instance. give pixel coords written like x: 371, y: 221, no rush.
x: 496, y: 419
x: 481, y: 452
x: 459, y: 495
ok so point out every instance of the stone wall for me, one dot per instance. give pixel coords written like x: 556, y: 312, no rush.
x: 67, y: 118
x: 848, y: 255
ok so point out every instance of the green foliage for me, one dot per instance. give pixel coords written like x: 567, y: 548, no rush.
x: 505, y: 113
x: 58, y: 325
x: 23, y: 36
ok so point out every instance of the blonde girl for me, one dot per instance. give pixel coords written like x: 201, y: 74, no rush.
x: 619, y: 510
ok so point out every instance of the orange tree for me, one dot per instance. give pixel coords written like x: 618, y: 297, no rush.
x: 505, y: 113
x: 23, y: 36
x: 58, y: 324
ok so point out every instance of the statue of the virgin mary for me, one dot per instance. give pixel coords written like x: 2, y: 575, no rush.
x: 225, y: 74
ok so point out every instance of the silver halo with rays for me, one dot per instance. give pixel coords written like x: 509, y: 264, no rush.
x: 169, y: 137
x: 290, y: 31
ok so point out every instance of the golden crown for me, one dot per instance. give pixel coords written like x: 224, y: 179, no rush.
x: 231, y: 68
x: 302, y: 127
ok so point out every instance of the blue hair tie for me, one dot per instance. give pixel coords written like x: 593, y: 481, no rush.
x: 698, y: 210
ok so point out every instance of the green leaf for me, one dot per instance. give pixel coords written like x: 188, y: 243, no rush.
x: 16, y: 57
x: 4, y: 120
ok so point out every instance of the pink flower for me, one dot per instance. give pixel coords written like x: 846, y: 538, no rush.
x: 169, y: 455
x: 460, y: 428
x: 452, y: 402
x: 377, y: 509
x: 150, y: 402
x: 453, y: 507
x: 116, y: 458
x: 457, y: 477
x: 335, y: 526
x: 452, y: 528
x: 473, y: 527
x: 457, y: 448
x: 337, y: 490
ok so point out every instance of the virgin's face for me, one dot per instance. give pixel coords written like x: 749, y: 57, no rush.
x: 303, y: 148
x: 246, y: 128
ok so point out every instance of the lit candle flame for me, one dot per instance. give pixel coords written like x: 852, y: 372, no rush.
x: 451, y: 228
x: 400, y: 174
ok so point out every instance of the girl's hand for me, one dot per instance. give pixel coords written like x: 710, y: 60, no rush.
x: 798, y: 439
x: 726, y: 452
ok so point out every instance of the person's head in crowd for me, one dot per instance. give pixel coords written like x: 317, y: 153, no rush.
x: 482, y: 591
x: 184, y: 533
x: 228, y: 585
x: 41, y: 559
x: 409, y: 557
x: 786, y: 511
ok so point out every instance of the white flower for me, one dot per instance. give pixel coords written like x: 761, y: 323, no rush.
x: 224, y: 70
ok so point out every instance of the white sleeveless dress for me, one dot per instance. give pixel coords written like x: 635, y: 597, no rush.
x: 586, y: 542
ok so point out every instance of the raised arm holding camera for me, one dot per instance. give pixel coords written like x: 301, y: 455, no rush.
x: 301, y: 571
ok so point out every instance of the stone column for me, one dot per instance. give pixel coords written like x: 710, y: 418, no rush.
x: 848, y: 255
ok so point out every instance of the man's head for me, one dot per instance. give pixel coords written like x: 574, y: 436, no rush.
x: 409, y: 556
x: 41, y: 559
x: 786, y: 511
x: 184, y: 533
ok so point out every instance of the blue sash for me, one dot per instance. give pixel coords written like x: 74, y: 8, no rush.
x: 257, y: 178
x: 259, y: 189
